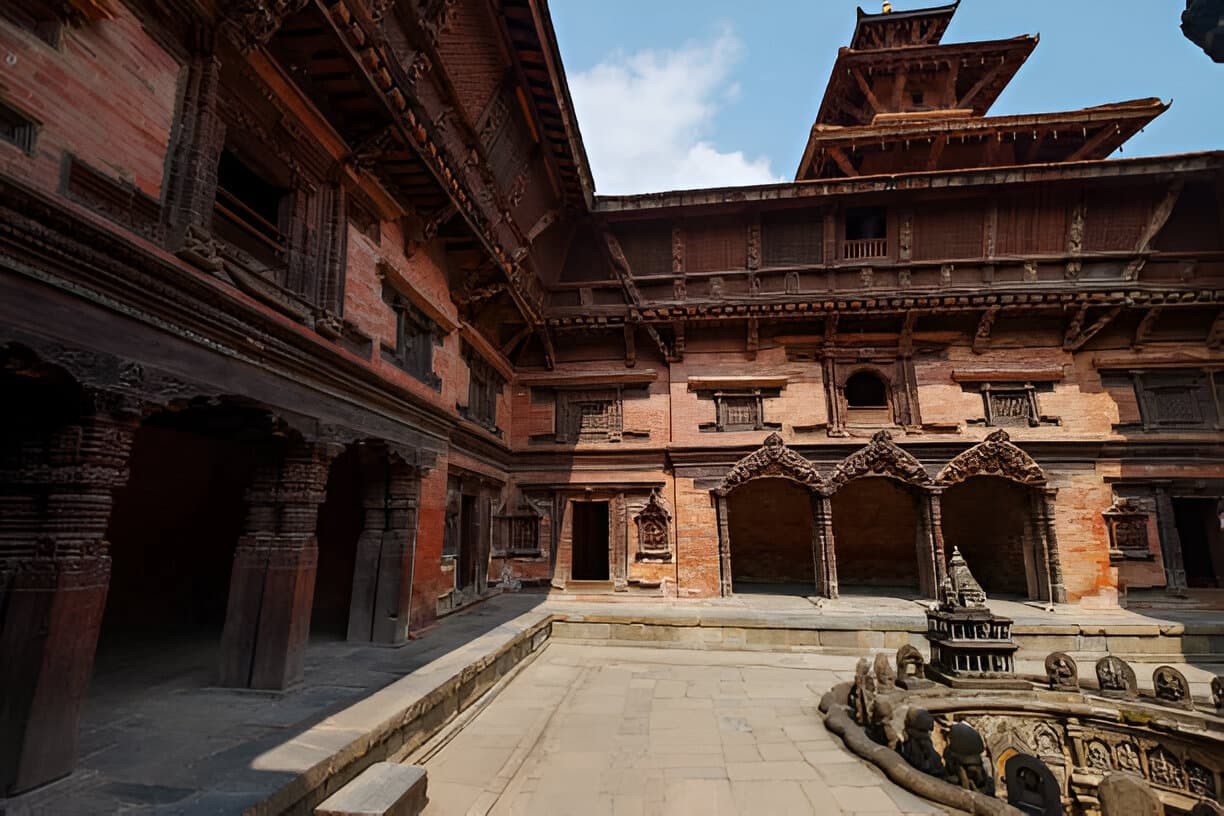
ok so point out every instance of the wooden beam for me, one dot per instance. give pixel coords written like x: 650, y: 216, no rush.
x: 620, y: 267
x: 830, y: 328
x: 1215, y: 336
x: 843, y: 161
x: 658, y: 340
x: 982, y: 337
x: 754, y: 338
x: 876, y: 107
x: 1102, y: 136
x: 519, y: 336
x: 1038, y: 140
x: 905, y: 344
x: 630, y: 345
x: 900, y: 80
x: 967, y: 100
x: 1077, y: 335
x: 1160, y: 217
x: 1144, y: 330
x: 678, y: 346
x: 937, y: 148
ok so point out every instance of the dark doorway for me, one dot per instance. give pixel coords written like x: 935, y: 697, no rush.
x: 590, y: 539
x: 770, y: 522
x: 1198, y: 527
x: 990, y: 520
x: 339, y: 528
x: 469, y: 540
x: 875, y: 534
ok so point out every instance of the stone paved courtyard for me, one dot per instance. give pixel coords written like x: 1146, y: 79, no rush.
x: 614, y: 731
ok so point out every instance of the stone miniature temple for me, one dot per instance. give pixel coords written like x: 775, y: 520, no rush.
x: 970, y: 645
x: 313, y: 323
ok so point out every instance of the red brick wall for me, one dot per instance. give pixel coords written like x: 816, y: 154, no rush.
x: 107, y: 95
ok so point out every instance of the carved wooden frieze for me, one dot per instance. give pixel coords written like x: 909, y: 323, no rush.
x: 589, y: 416
x: 1127, y: 522
x: 772, y: 460
x: 881, y: 457
x: 996, y: 456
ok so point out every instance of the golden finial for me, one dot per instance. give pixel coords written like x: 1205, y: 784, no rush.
x: 888, y: 8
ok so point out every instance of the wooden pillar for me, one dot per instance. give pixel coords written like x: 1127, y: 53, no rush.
x: 1170, y: 542
x: 928, y: 552
x: 267, y: 617
x: 1050, y: 554
x: 55, y: 503
x: 565, y: 545
x: 382, y: 575
x: 824, y: 556
x: 618, y: 543
x: 725, y: 587
x: 938, y: 553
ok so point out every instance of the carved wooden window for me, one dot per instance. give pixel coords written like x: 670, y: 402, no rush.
x: 251, y: 210
x: 1181, y: 398
x: 17, y: 129
x: 518, y: 533
x: 866, y: 396
x: 589, y: 416
x: 792, y: 239
x: 484, y: 384
x: 1010, y: 405
x: 742, y: 410
x: 866, y: 234
x: 1128, y: 530
x: 647, y: 247
x: 654, y: 541
x: 415, y: 338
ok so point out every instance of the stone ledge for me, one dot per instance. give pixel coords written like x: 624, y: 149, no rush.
x: 383, y: 789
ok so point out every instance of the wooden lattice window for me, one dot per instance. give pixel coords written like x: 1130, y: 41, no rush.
x: 948, y: 232
x: 647, y: 247
x: 17, y: 129
x: 484, y: 384
x: 415, y: 338
x: 715, y: 245
x: 792, y: 239
x: 1179, y: 398
x: 739, y: 410
x: 1010, y: 405
x: 589, y: 416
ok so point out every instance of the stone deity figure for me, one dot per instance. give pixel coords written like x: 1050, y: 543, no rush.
x: 1061, y: 672
x: 918, y: 749
x: 1217, y: 692
x: 963, y: 764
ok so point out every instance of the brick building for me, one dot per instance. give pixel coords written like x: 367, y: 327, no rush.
x: 311, y: 321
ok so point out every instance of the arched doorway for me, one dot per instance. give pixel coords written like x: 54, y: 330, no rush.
x: 771, y: 535
x: 172, y: 533
x: 997, y: 508
x: 990, y: 519
x: 771, y: 523
x: 875, y: 530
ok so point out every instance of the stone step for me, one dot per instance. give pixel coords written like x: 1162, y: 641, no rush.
x: 383, y: 789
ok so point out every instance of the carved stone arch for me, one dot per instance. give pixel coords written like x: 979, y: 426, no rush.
x: 880, y: 457
x: 773, y: 460
x: 996, y: 456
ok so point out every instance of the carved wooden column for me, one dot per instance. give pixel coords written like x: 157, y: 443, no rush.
x: 192, y: 182
x: 1170, y: 542
x: 55, y: 504
x: 1049, y: 539
x: 565, y: 545
x: 824, y: 554
x: 618, y: 551
x: 725, y: 586
x: 934, y: 564
x: 382, y: 579
x: 267, y: 618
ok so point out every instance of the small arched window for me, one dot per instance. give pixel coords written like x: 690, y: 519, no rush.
x: 866, y: 390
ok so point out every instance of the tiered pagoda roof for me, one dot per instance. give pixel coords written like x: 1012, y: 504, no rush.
x: 901, y: 100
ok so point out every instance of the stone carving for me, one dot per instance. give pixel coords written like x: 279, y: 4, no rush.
x: 1096, y: 755
x: 963, y: 764
x: 1164, y: 769
x: 652, y: 526
x: 1217, y: 692
x: 885, y: 675
x: 862, y: 693
x: 508, y: 582
x: 1200, y: 779
x: 918, y: 749
x: 1171, y: 687
x: 911, y: 668
x: 882, y: 457
x: 1128, y: 530
x: 881, y: 729
x: 791, y: 283
x: 1116, y: 678
x: 1061, y: 672
x: 1122, y: 794
x: 773, y: 459
x: 1047, y: 741
x: 960, y: 588
x: 1127, y: 757
x: 996, y: 456
x: 1032, y: 787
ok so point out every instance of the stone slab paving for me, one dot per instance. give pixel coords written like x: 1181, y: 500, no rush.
x: 629, y: 731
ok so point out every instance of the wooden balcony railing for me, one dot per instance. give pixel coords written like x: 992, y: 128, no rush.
x: 864, y: 248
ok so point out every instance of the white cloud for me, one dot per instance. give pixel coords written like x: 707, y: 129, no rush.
x: 646, y: 117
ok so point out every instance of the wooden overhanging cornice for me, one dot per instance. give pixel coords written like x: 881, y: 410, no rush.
x: 720, y: 200
x: 984, y: 69
x: 869, y: 27
x: 1082, y: 135
x: 805, y: 308
x: 420, y: 103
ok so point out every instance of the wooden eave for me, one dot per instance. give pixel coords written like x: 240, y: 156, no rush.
x: 714, y: 200
x: 938, y: 16
x: 1086, y: 128
x: 528, y: 28
x: 994, y: 61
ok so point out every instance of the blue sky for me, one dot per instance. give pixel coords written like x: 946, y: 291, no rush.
x: 676, y: 94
